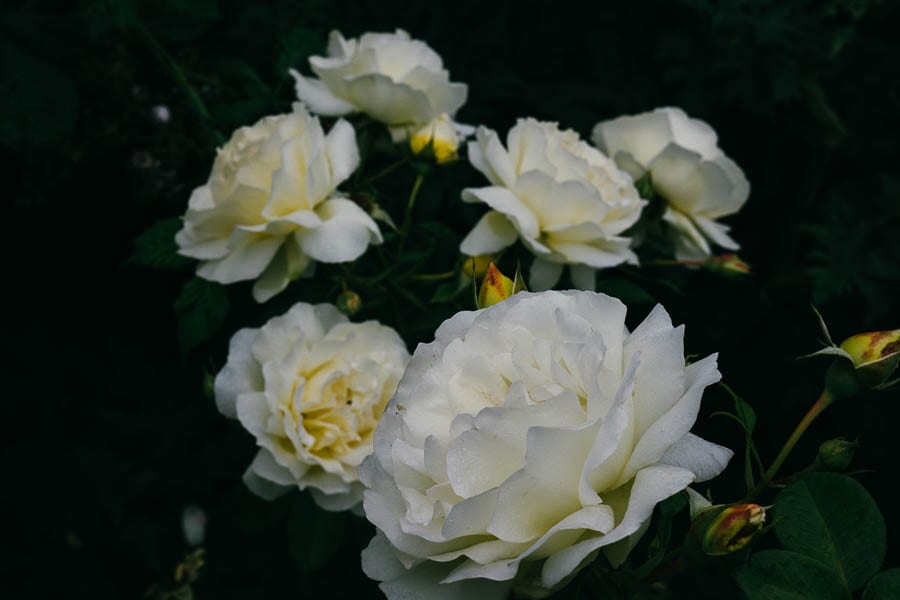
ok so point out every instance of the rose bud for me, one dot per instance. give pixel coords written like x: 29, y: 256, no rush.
x: 875, y: 355
x: 729, y: 265
x: 476, y: 266
x: 439, y: 136
x: 348, y: 302
x: 495, y: 287
x: 728, y: 529
x: 836, y: 454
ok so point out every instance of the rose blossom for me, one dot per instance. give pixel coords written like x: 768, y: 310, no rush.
x: 566, y: 201
x: 389, y: 76
x: 310, y: 387
x: 525, y: 438
x: 698, y: 182
x: 270, y: 207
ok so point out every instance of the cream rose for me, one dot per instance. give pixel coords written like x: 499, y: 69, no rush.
x: 270, y: 207
x: 698, y: 182
x: 567, y: 202
x: 525, y: 438
x: 310, y: 387
x: 389, y: 76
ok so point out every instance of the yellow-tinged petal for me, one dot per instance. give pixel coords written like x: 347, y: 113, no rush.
x: 875, y: 355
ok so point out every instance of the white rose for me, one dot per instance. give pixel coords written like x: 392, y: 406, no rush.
x: 389, y: 76
x: 567, y: 202
x: 525, y: 438
x: 699, y: 183
x: 270, y: 206
x: 310, y: 387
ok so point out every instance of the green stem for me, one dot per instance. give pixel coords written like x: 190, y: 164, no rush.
x: 388, y: 169
x: 407, y: 215
x: 181, y: 81
x: 434, y: 277
x: 824, y: 401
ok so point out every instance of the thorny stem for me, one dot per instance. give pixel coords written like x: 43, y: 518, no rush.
x: 824, y: 401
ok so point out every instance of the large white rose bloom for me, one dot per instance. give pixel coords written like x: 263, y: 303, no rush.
x: 567, y: 202
x: 389, y: 76
x: 310, y: 387
x: 270, y: 206
x: 689, y: 170
x: 525, y: 438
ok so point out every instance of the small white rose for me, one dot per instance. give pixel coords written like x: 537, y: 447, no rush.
x: 270, y: 207
x: 389, y: 76
x: 698, y: 182
x: 310, y: 386
x: 526, y: 438
x: 566, y: 201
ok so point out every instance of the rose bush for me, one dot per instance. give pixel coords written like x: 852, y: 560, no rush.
x: 526, y: 437
x: 270, y: 207
x: 310, y: 387
x: 389, y: 76
x: 566, y: 201
x: 688, y: 169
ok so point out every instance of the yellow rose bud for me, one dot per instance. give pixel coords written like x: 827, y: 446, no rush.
x: 439, y: 136
x: 875, y: 355
x: 729, y: 265
x: 348, y: 302
x: 729, y: 529
x: 476, y: 266
x: 495, y: 287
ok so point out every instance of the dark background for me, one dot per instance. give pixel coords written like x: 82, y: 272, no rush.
x: 109, y: 432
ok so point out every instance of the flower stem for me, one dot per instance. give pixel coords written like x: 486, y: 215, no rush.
x: 388, y: 169
x: 824, y: 401
x: 434, y: 276
x: 407, y: 215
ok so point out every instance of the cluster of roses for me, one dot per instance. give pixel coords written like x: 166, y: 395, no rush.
x: 527, y: 436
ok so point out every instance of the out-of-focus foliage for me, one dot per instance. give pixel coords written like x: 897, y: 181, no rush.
x: 111, y: 114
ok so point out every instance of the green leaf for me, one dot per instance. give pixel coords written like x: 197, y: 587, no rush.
x: 200, y: 310
x: 626, y: 291
x: 746, y: 416
x: 156, y: 248
x: 447, y: 292
x: 884, y: 586
x: 783, y: 575
x: 314, y: 535
x: 833, y: 519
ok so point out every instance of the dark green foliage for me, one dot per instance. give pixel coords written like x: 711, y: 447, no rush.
x: 111, y: 434
x: 813, y: 518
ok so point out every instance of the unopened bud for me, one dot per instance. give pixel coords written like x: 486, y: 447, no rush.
x: 439, y: 136
x: 348, y: 302
x: 836, y: 454
x: 727, y: 529
x: 875, y: 355
x: 495, y: 287
x: 476, y: 266
x: 729, y: 265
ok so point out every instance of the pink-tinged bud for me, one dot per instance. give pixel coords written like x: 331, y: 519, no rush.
x: 495, y: 287
x: 348, y: 302
x: 729, y: 265
x: 728, y: 529
x: 875, y: 355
